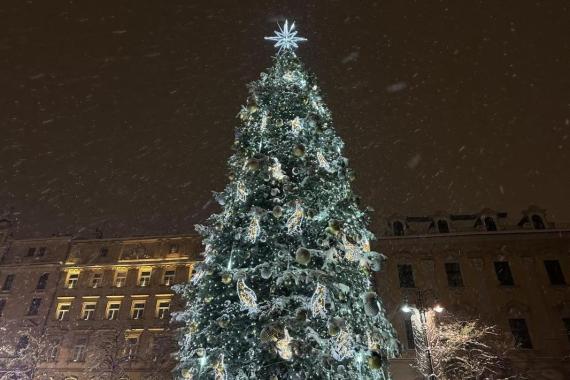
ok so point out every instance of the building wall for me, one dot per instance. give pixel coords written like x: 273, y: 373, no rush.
x: 532, y: 297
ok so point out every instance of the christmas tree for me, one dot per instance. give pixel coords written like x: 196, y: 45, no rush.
x: 284, y: 291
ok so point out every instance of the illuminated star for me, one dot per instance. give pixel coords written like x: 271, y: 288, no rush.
x: 286, y: 37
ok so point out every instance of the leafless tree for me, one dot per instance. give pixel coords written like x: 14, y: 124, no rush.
x: 21, y: 353
x: 466, y: 349
x: 108, y: 357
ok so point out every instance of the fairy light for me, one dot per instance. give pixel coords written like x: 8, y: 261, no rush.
x: 296, y: 125
x: 276, y: 171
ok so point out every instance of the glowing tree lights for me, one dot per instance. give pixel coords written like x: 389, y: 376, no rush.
x: 284, y: 289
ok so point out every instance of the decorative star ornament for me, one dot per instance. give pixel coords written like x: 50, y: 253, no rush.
x: 286, y: 37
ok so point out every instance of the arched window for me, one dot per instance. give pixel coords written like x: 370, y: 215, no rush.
x: 490, y: 224
x: 42, y: 281
x: 398, y: 228
x: 442, y: 226
x: 537, y: 222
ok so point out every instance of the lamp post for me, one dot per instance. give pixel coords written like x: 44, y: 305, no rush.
x: 422, y: 308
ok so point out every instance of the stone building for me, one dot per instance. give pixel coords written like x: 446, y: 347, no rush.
x: 513, y: 276
x: 104, y: 304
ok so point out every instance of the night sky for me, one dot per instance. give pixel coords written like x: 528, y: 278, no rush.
x: 120, y: 114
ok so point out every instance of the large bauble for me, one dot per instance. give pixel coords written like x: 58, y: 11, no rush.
x: 277, y: 211
x: 226, y: 278
x: 303, y: 256
x: 252, y: 164
x: 370, y: 304
x: 299, y: 150
x: 375, y: 361
x: 265, y: 272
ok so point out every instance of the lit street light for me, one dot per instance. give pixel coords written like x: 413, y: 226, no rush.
x: 422, y: 309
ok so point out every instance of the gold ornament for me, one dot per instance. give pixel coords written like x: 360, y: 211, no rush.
x: 253, y: 230
x: 276, y: 171
x: 333, y: 329
x: 246, y: 295
x: 296, y: 220
x: 252, y: 164
x: 323, y: 163
x: 284, y: 346
x: 350, y: 250
x: 226, y: 278
x: 299, y: 150
x: 296, y: 125
x: 303, y: 256
x: 241, y: 191
x: 318, y: 300
x: 220, y: 369
x: 375, y: 361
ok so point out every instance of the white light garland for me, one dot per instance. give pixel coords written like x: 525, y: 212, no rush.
x: 246, y: 295
x: 318, y: 301
x: 284, y: 346
x: 263, y: 125
x: 295, y: 220
x: 253, y: 230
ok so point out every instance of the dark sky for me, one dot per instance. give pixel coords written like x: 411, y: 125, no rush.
x: 120, y: 114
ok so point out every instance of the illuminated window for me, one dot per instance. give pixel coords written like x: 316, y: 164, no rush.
x: 35, y: 306
x: 88, y: 310
x: 137, y: 311
x: 162, y: 309
x: 97, y: 280
x: 62, y: 311
x: 144, y: 277
x: 8, y: 282
x: 42, y: 281
x: 79, y: 350
x: 120, y: 278
x: 169, y: 277
x: 72, y: 279
x: 113, y: 308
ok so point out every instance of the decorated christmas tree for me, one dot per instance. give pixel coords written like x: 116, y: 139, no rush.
x: 284, y: 290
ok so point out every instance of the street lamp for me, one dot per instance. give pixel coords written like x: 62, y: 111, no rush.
x: 422, y: 309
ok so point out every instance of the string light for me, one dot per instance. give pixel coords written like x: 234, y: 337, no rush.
x: 246, y: 296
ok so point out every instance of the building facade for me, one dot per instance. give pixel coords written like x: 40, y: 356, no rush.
x: 512, y: 276
x: 101, y: 307
x: 96, y: 307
